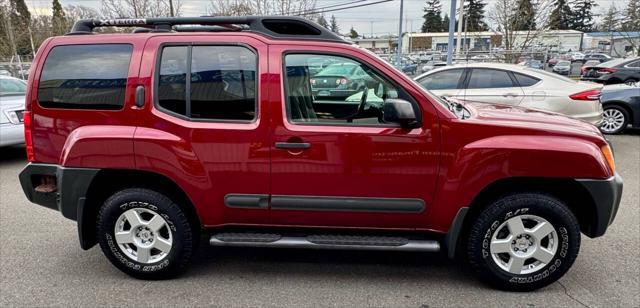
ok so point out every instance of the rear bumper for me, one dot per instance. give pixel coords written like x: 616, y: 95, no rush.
x: 71, y: 187
x: 606, y: 195
x: 332, y: 93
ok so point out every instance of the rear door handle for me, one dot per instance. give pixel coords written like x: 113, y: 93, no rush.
x: 293, y: 145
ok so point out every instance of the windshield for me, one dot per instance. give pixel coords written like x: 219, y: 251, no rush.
x: 12, y: 87
x: 338, y: 69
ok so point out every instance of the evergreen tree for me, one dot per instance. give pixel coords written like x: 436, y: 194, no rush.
x: 20, y: 23
x: 353, y: 33
x: 561, y: 16
x: 524, y: 17
x: 631, y: 19
x: 610, y: 21
x: 322, y: 21
x: 432, y: 19
x: 334, y: 25
x: 445, y: 23
x: 58, y: 20
x: 582, y: 17
x: 474, y: 13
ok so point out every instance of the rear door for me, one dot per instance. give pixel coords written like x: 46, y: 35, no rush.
x: 204, y: 124
x: 494, y: 86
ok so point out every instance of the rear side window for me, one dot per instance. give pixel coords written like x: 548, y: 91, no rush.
x: 524, y: 80
x: 489, y: 78
x: 442, y: 80
x: 85, y: 77
x: 634, y: 64
x: 221, y: 83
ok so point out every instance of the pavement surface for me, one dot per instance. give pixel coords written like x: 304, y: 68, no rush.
x: 41, y: 264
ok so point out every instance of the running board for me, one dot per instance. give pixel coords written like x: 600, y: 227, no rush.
x: 351, y: 242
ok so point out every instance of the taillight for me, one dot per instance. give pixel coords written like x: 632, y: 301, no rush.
x: 607, y: 70
x: 28, y: 138
x: 590, y: 95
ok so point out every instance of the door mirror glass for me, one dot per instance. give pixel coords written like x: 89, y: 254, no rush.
x: 399, y: 111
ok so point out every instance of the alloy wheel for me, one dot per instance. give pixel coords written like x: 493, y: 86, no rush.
x: 613, y: 119
x: 143, y: 235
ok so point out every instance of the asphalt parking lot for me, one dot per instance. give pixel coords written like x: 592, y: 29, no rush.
x: 41, y: 264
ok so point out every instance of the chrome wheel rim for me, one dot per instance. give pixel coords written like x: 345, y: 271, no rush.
x: 143, y: 235
x: 524, y: 244
x: 613, y: 119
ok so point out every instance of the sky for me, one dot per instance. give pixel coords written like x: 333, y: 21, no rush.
x: 378, y: 19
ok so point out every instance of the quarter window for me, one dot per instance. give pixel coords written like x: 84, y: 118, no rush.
x: 489, y: 78
x: 524, y: 80
x: 221, y: 84
x: 85, y: 77
x: 341, y: 91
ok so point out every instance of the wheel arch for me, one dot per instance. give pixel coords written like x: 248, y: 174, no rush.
x: 566, y: 190
x: 109, y: 181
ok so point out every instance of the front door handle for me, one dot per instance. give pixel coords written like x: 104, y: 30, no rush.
x: 510, y: 95
x: 293, y: 145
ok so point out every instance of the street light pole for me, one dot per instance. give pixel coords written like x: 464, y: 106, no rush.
x: 452, y: 25
x: 399, y: 50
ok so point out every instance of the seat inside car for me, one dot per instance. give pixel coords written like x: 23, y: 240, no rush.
x: 300, y: 96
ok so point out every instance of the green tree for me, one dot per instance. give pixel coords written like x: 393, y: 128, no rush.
x: 353, y: 33
x: 334, y: 25
x: 322, y: 21
x: 524, y: 18
x: 631, y: 19
x: 445, y: 23
x: 474, y: 13
x: 561, y: 16
x: 432, y: 18
x: 610, y: 20
x: 20, y: 23
x: 582, y: 17
x: 58, y: 20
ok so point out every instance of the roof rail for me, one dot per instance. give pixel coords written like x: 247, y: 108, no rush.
x: 277, y: 27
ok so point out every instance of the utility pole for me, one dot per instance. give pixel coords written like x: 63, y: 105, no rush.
x: 399, y: 50
x: 452, y: 25
x: 460, y: 18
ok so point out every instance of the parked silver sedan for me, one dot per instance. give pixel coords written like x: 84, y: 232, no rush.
x: 511, y: 84
x: 12, y: 95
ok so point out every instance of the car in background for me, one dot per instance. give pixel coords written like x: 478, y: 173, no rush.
x: 533, y: 64
x: 589, y: 63
x: 576, y: 57
x: 601, y: 57
x: 509, y: 84
x: 621, y: 104
x: 12, y: 96
x: 562, y: 68
x: 407, y: 67
x: 431, y: 65
x: 615, y: 71
x: 339, y: 80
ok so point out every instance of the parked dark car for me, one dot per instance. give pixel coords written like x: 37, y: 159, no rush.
x: 621, y: 104
x: 597, y: 56
x: 614, y: 71
x: 407, y: 67
x: 339, y: 80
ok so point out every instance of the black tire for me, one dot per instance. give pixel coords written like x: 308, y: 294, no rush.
x: 522, y: 205
x: 183, y: 240
x: 630, y: 81
x: 625, y: 121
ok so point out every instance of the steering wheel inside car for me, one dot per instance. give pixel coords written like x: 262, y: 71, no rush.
x: 363, y: 102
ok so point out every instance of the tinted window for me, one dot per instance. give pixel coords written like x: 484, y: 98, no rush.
x: 524, y: 80
x: 634, y: 64
x: 442, y: 80
x: 222, y: 83
x: 85, y: 77
x: 352, y: 94
x: 487, y: 78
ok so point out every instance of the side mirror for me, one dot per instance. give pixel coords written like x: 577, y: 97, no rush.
x: 399, y: 111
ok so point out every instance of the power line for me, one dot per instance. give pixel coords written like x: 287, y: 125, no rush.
x: 311, y: 12
x: 329, y: 6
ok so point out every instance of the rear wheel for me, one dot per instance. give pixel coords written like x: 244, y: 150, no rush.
x: 145, y: 234
x: 614, y: 119
x: 523, y: 242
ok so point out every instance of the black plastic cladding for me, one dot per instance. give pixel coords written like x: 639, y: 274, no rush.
x: 277, y: 27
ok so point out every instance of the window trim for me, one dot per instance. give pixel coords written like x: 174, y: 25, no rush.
x: 285, y: 89
x: 124, y: 103
x: 514, y: 82
x: 189, y: 45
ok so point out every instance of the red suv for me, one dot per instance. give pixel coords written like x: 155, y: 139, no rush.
x: 211, y: 128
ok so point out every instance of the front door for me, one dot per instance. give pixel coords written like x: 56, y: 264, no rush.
x: 335, y: 163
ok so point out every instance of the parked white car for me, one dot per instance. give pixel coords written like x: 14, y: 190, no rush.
x: 516, y: 85
x: 12, y: 95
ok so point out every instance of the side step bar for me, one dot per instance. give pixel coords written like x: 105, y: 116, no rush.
x: 351, y: 242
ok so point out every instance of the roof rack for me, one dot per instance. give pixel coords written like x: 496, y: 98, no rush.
x: 277, y: 27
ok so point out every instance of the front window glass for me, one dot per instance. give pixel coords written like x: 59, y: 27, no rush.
x: 443, y: 80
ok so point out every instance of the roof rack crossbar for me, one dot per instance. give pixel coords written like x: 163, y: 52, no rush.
x: 278, y: 27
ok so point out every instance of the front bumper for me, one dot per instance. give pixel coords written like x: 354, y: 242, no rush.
x: 606, y: 195
x: 71, y: 187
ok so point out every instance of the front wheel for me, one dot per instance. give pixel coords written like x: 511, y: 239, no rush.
x: 145, y: 234
x: 523, y: 242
